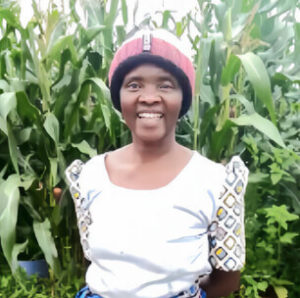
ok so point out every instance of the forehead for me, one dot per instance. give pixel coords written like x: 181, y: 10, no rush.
x: 152, y: 71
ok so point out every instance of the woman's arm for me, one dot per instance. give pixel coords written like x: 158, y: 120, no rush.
x: 227, y: 238
x: 220, y: 283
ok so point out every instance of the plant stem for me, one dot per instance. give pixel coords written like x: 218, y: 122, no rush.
x: 196, y: 122
x: 279, y: 246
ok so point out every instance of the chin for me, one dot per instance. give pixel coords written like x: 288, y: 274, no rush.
x: 150, y: 137
x: 150, y: 140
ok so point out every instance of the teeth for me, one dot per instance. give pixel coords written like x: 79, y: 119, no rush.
x: 150, y: 115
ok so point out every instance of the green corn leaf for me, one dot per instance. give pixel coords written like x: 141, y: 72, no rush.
x: 167, y: 16
x: 10, y: 196
x: 42, y: 231
x: 220, y: 139
x: 124, y: 12
x: 23, y: 135
x: 61, y: 163
x: 282, y: 78
x: 227, y: 28
x: 206, y: 123
x: 202, y: 63
x: 112, y: 14
x: 17, y: 249
x: 54, y: 28
x: 2, y: 173
x: 216, y: 60
x: 28, y: 204
x: 121, y: 34
x: 230, y: 70
x: 179, y: 28
x: 220, y: 9
x: 13, y: 148
x: 63, y: 42
x: 53, y: 170
x: 7, y: 103
x: 207, y: 95
x: 247, y: 104
x: 3, y: 125
x: 95, y: 12
x: 297, y: 43
x: 259, y: 79
x: 27, y: 110
x: 4, y: 86
x: 85, y: 148
x: 102, y: 87
x: 73, y: 11
x: 262, y: 124
x: 10, y: 18
x: 95, y: 59
x: 90, y: 34
x: 51, y: 125
x: 107, y: 116
x: 27, y: 179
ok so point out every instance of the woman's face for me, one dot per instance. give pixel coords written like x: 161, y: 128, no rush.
x: 150, y: 102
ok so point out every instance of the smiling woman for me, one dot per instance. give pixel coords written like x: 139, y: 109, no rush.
x: 157, y: 219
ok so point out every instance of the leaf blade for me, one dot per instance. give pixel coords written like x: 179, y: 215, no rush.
x: 51, y: 125
x: 262, y: 124
x: 260, y: 81
x: 42, y: 231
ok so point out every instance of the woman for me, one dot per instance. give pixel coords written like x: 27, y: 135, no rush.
x: 155, y: 218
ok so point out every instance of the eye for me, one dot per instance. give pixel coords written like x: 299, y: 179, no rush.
x: 133, y: 86
x: 166, y: 86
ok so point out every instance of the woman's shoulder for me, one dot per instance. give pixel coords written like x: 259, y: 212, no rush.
x: 78, y: 170
x: 218, y: 172
x: 208, y: 167
x: 235, y: 162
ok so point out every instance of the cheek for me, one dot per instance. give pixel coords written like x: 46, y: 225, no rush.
x: 176, y: 104
x: 124, y: 101
x: 127, y: 109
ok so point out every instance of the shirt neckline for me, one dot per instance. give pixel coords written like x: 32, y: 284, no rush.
x: 169, y: 184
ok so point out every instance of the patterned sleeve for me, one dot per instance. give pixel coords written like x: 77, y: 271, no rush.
x: 226, y: 231
x: 81, y: 205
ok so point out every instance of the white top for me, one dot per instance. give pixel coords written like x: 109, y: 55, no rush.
x: 156, y: 243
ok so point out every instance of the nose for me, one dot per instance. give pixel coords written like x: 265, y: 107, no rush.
x: 149, y: 96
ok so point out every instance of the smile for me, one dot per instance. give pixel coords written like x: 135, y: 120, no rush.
x: 150, y: 115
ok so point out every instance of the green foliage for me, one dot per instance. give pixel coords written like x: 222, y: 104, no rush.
x: 280, y: 215
x: 258, y: 76
x: 33, y: 287
x: 54, y: 108
x: 247, y: 103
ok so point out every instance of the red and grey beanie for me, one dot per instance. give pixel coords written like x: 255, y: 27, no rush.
x: 158, y: 47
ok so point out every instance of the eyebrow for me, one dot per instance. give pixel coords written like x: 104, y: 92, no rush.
x: 133, y: 78
x: 160, y: 79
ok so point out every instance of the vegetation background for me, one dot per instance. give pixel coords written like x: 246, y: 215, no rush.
x: 55, y: 107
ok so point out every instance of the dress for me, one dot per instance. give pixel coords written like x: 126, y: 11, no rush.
x: 157, y: 243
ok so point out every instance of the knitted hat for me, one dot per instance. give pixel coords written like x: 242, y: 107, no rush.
x: 160, y: 48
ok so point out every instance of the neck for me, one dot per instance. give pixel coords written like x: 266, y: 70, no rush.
x: 151, y: 150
